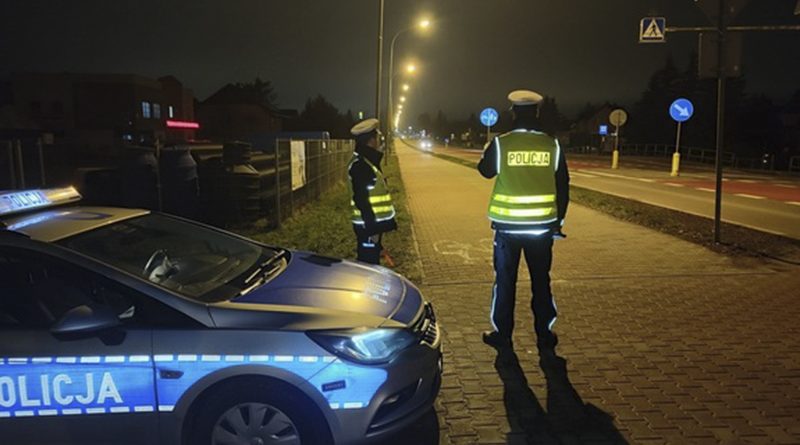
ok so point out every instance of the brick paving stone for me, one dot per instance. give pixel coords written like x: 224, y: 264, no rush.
x: 656, y: 343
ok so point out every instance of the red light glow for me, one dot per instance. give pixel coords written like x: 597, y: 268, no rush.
x: 183, y: 124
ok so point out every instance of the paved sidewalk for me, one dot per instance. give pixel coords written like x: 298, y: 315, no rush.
x: 662, y: 341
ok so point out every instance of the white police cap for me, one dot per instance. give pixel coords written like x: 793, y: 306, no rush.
x: 365, y: 126
x: 524, y: 97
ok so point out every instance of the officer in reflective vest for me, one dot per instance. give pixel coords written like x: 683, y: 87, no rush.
x: 372, y: 212
x: 527, y: 210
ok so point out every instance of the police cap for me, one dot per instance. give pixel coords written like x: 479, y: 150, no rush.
x: 524, y: 97
x: 364, y: 127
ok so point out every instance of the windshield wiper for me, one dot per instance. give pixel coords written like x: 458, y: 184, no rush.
x: 264, y: 270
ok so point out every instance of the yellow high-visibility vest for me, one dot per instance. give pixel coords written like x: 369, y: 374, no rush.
x: 525, y: 186
x: 379, y: 197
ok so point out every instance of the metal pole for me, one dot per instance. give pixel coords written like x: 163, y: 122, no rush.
x: 277, y: 184
x: 676, y: 157
x: 720, y: 119
x: 41, y: 161
x: 20, y: 165
x: 487, y: 133
x: 12, y: 173
x: 380, y: 62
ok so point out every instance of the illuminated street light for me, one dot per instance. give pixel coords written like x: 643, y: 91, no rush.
x: 405, y: 87
x: 402, y: 98
x: 423, y: 25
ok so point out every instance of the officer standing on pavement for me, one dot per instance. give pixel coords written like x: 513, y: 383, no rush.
x: 372, y: 210
x: 527, y: 209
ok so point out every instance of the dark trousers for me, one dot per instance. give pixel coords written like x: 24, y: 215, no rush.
x: 368, y: 248
x: 539, y: 257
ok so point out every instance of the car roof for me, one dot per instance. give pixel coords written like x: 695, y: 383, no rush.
x: 57, y: 223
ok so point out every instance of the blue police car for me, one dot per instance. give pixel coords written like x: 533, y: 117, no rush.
x: 127, y: 326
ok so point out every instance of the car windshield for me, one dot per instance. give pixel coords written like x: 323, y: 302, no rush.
x: 197, y: 262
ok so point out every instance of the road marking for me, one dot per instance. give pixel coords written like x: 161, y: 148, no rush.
x: 745, y: 195
x: 610, y: 175
x: 794, y: 203
x: 581, y: 175
x: 702, y: 189
x: 749, y: 181
x: 787, y: 186
x: 673, y: 184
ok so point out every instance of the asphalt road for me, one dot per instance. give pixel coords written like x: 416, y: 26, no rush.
x: 763, y: 202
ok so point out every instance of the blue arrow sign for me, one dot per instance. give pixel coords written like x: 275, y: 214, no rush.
x: 681, y: 110
x: 489, y: 116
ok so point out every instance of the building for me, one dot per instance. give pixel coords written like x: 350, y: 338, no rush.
x: 233, y: 113
x: 99, y: 111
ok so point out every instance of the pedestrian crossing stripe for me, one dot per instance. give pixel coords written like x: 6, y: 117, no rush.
x: 652, y: 29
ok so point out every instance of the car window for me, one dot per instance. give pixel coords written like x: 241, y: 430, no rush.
x: 187, y: 258
x: 36, y: 291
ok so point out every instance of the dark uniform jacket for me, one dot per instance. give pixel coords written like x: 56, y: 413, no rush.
x: 362, y: 177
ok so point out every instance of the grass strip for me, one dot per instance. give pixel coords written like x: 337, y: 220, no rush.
x: 324, y: 227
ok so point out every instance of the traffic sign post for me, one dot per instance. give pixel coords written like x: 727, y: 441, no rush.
x: 617, y: 118
x: 488, y: 118
x: 680, y: 111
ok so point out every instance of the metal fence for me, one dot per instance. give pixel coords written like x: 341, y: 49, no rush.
x: 688, y: 154
x: 794, y: 164
x: 22, y: 164
x: 206, y: 182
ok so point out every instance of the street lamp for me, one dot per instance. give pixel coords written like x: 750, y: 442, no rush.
x: 421, y: 25
x: 405, y: 87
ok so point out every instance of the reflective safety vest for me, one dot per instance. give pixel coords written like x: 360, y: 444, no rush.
x: 525, y: 188
x: 379, y: 197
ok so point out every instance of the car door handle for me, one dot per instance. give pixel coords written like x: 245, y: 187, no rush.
x: 170, y: 374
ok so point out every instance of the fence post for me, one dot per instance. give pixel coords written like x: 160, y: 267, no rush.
x: 12, y: 174
x: 20, y: 165
x: 276, y: 160
x: 41, y: 161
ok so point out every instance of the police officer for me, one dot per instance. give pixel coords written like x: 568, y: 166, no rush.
x: 372, y: 210
x: 527, y: 210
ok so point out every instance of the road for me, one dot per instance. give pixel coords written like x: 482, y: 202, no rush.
x: 762, y: 202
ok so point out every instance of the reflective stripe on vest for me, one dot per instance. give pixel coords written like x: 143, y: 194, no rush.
x: 525, y: 188
x: 379, y: 197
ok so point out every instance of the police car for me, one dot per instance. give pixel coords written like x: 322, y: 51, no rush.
x: 128, y: 326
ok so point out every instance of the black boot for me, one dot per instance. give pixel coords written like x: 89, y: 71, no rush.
x: 496, y: 340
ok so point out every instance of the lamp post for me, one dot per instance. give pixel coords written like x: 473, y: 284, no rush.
x: 380, y: 61
x: 422, y: 25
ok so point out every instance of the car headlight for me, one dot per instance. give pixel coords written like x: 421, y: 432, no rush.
x: 368, y: 346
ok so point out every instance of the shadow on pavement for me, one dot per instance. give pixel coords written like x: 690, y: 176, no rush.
x: 567, y: 418
x: 424, y: 431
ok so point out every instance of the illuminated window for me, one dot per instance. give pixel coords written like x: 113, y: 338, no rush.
x: 171, y: 111
x: 145, y: 109
x: 156, y: 111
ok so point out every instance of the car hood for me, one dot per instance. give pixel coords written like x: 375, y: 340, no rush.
x: 328, y: 283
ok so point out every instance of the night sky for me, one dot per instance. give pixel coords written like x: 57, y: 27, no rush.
x: 575, y: 50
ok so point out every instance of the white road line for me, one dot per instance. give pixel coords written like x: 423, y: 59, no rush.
x: 581, y: 175
x: 745, y: 195
x: 672, y: 184
x: 702, y: 189
x: 611, y: 175
x: 749, y: 181
x: 786, y: 186
x: 794, y: 203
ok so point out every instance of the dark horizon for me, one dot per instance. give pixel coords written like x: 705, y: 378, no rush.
x: 473, y: 57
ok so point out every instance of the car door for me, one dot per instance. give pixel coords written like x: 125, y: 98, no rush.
x: 86, y: 384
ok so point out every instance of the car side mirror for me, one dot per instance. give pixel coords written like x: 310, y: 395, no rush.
x: 84, y: 319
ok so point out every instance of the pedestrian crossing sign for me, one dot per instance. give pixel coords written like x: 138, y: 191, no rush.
x: 652, y: 29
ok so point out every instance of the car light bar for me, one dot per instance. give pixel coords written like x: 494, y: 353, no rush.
x: 24, y: 200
